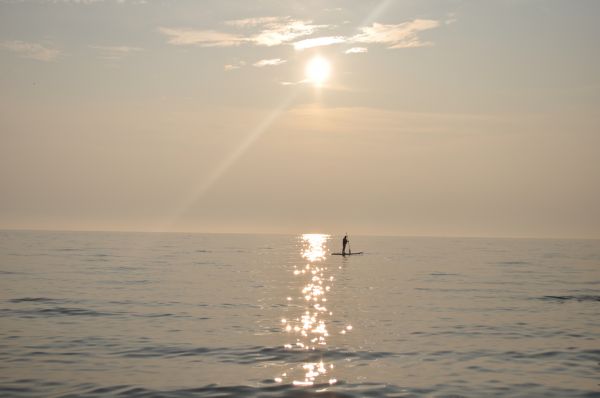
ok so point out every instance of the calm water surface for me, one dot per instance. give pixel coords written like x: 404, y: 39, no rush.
x: 191, y: 315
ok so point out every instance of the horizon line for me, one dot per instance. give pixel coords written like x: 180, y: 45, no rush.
x: 2, y: 229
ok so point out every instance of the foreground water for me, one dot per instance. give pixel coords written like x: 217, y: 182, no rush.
x: 190, y: 315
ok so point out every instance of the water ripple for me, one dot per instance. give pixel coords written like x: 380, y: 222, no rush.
x: 582, y: 297
x: 251, y: 355
x: 268, y: 389
x: 54, y: 311
x: 35, y: 300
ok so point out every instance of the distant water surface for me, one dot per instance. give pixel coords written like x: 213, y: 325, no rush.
x: 196, y: 315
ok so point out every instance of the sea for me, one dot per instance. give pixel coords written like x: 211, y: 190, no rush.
x: 120, y: 314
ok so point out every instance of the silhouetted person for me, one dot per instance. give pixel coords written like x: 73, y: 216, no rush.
x: 344, y: 243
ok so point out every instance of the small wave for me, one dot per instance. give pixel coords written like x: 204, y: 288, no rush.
x: 252, y: 355
x: 163, y: 315
x: 562, y: 299
x: 146, y: 303
x: 79, y: 311
x: 35, y: 300
x: 53, y: 311
x: 513, y: 263
x: 98, y: 258
x: 11, y: 273
x: 267, y: 390
x: 443, y: 274
x: 238, y: 305
x: 260, y: 354
x: 72, y: 311
x: 573, y: 356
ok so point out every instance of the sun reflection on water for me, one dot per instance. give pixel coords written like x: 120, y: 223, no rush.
x: 314, y: 247
x: 310, y: 326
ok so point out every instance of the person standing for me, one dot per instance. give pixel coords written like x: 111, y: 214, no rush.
x: 344, y: 243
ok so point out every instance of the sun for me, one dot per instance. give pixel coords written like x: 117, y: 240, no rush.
x: 318, y: 70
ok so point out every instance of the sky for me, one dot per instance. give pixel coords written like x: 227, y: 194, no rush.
x: 418, y: 118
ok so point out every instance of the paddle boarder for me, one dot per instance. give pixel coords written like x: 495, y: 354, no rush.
x: 344, y: 243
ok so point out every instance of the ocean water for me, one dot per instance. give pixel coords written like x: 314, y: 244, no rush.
x: 96, y: 314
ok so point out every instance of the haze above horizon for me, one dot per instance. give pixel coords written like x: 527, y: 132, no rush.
x: 409, y: 118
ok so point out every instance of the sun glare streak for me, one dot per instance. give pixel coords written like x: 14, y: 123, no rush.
x: 231, y: 158
x: 376, y: 12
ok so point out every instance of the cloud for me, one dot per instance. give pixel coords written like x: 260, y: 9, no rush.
x: 275, y: 31
x: 76, y: 1
x: 233, y: 66
x: 115, y: 52
x: 284, y: 31
x: 31, y: 50
x: 356, y: 50
x: 451, y: 18
x: 268, y: 31
x: 204, y: 38
x: 318, y: 42
x: 303, y: 81
x: 269, y: 62
x: 404, y: 35
x: 250, y: 22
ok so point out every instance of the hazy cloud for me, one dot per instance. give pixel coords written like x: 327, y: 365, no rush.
x: 451, y: 18
x: 274, y: 31
x: 31, y: 50
x: 76, y: 1
x: 356, y: 50
x: 402, y: 35
x: 318, y: 42
x: 286, y: 83
x: 115, y: 52
x: 269, y: 62
x: 204, y: 38
x: 233, y: 66
x: 250, y: 22
x: 277, y: 33
x: 268, y: 31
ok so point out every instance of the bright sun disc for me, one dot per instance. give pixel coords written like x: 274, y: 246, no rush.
x: 318, y: 70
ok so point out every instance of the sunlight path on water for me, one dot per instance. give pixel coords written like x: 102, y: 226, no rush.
x: 310, y: 327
